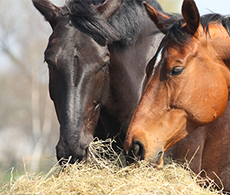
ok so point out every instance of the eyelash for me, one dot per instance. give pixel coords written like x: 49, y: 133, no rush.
x: 176, y: 71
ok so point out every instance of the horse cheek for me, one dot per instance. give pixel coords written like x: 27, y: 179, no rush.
x: 215, y: 105
x: 221, y: 102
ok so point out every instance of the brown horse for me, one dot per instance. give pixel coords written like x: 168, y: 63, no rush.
x: 97, y: 56
x: 187, y: 88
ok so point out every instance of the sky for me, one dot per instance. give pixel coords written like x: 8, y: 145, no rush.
x: 217, y: 6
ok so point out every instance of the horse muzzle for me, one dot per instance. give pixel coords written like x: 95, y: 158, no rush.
x: 138, y: 152
x: 71, y: 152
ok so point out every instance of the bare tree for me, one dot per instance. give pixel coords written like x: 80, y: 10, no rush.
x: 23, y: 78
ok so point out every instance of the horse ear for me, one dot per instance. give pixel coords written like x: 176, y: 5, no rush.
x: 109, y: 7
x: 191, y: 15
x: 157, y: 17
x: 48, y: 10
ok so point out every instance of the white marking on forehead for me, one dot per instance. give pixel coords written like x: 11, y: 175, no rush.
x: 159, y: 57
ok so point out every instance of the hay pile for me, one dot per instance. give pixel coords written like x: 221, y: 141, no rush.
x: 106, y: 174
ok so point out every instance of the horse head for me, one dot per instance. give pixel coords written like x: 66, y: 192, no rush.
x: 188, y: 84
x: 78, y: 57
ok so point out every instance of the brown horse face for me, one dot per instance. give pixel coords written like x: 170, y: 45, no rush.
x: 78, y: 71
x: 188, y: 88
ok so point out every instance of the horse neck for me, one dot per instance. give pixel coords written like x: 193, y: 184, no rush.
x: 133, y: 58
x: 127, y: 68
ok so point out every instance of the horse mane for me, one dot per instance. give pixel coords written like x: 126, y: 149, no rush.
x: 123, y: 27
x: 129, y: 18
x: 180, y: 37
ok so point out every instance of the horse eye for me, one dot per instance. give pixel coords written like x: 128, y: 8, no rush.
x: 176, y: 71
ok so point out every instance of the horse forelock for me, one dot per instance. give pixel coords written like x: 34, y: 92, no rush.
x: 87, y: 20
x: 178, y: 34
x: 123, y: 27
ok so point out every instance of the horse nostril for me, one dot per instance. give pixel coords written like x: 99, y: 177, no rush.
x: 160, y: 153
x: 159, y: 157
x: 138, y: 150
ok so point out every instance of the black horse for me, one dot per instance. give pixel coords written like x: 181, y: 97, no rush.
x: 97, y: 56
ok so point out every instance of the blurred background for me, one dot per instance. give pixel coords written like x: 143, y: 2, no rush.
x: 28, y: 126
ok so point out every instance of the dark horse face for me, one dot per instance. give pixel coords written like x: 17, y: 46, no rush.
x: 78, y: 70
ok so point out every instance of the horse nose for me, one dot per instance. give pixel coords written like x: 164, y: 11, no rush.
x: 136, y: 152
x: 64, y: 152
x: 158, y: 160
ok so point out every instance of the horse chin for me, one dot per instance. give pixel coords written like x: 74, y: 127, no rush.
x: 157, y: 165
x: 82, y: 158
x: 65, y: 159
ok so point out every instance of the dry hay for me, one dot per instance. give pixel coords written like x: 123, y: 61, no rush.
x: 105, y: 173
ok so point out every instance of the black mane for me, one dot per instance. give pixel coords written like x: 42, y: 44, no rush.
x: 124, y: 26
x: 181, y: 37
